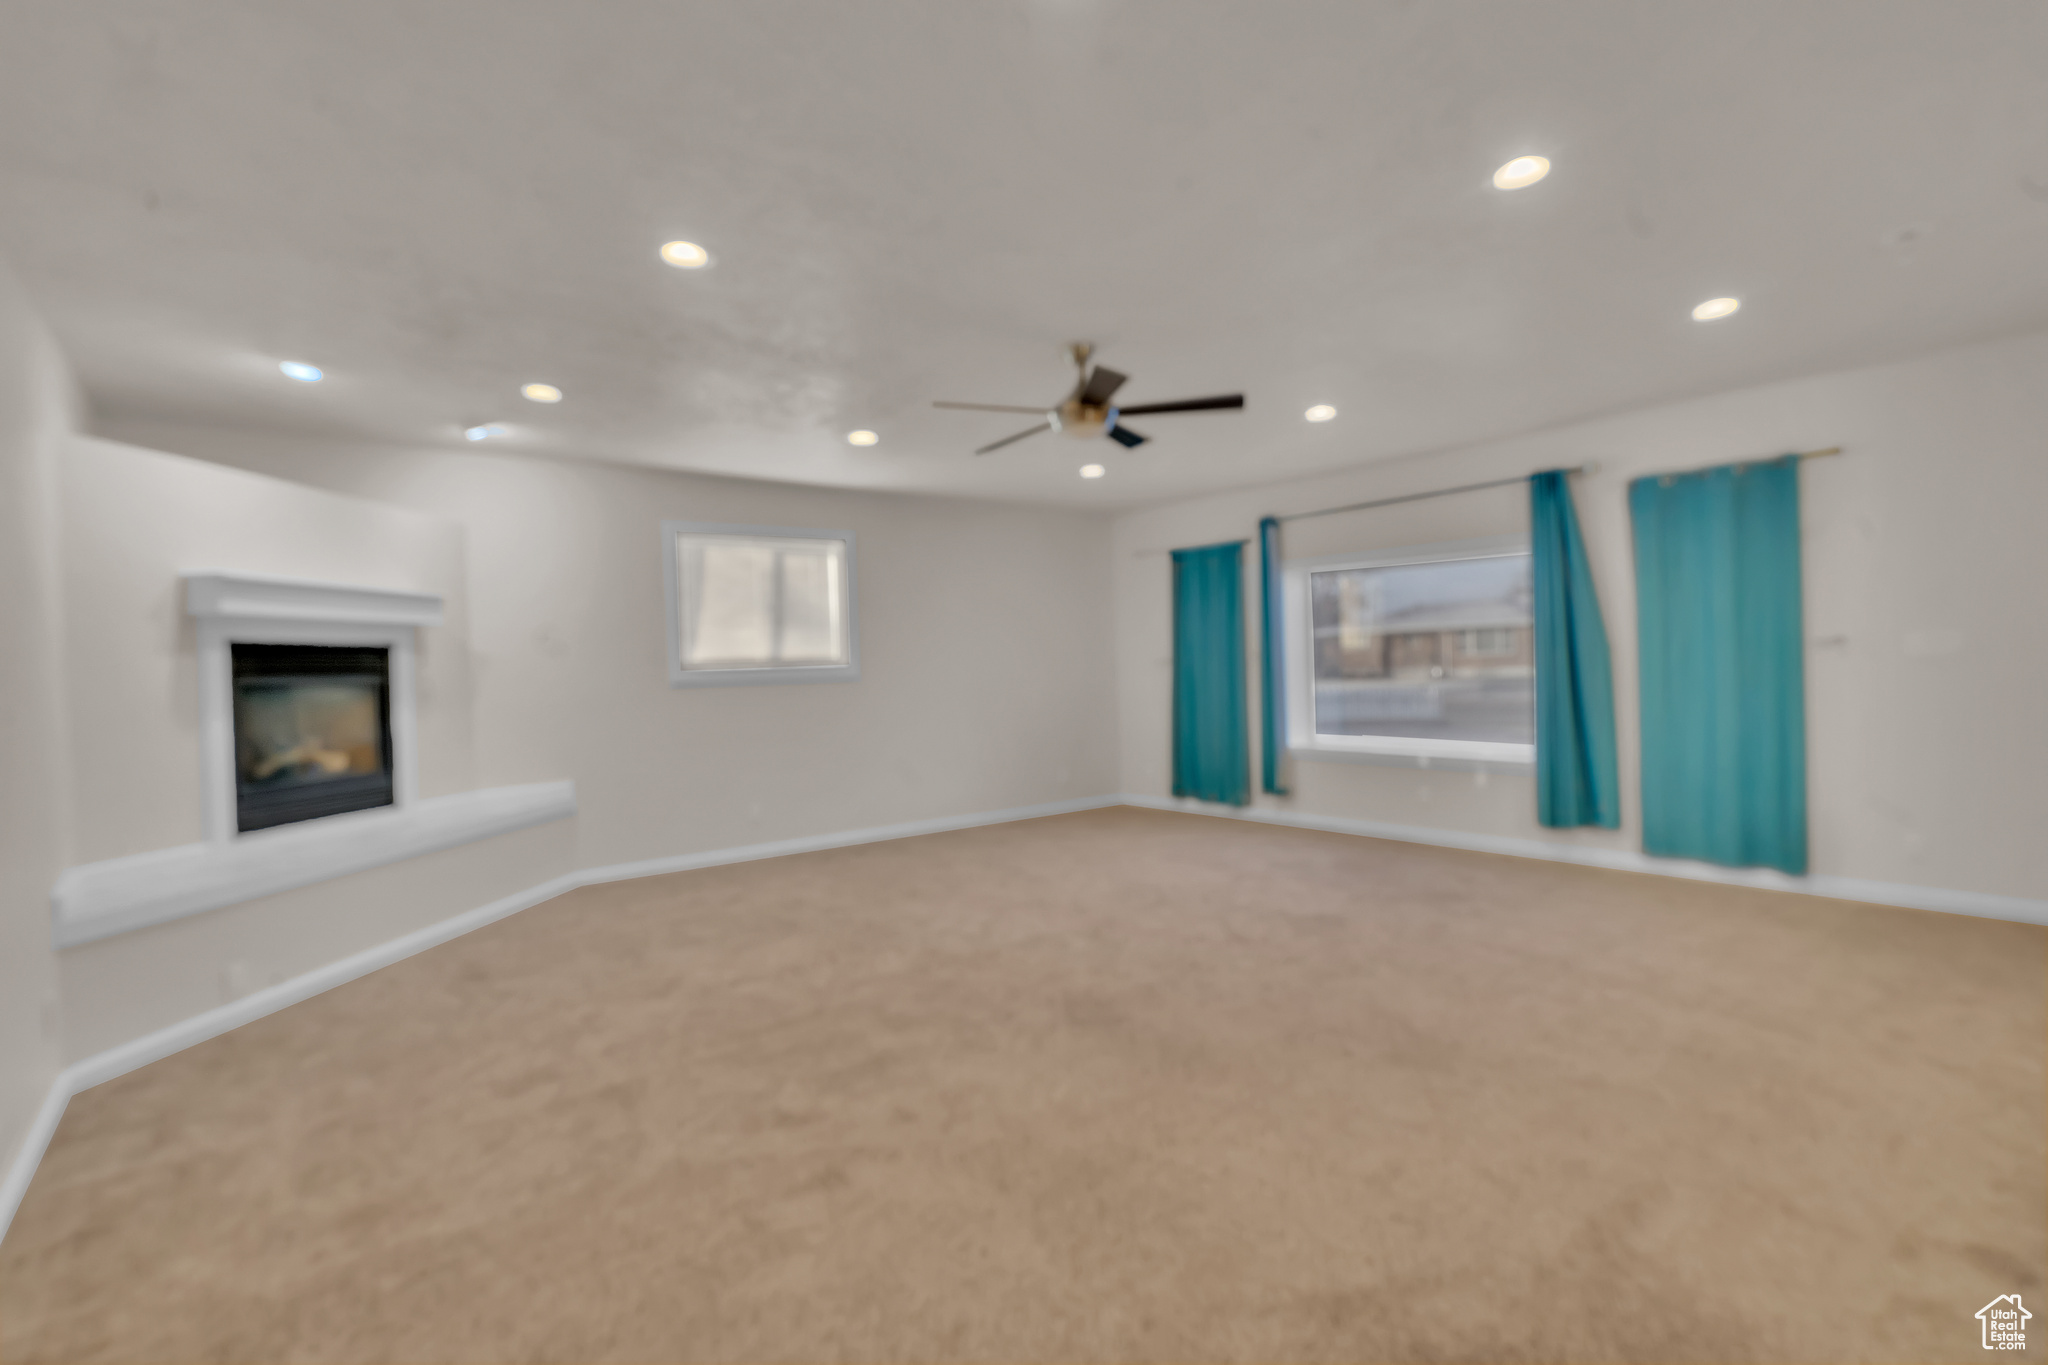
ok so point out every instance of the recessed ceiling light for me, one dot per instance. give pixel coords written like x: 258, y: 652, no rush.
x: 861, y: 438
x: 1715, y: 308
x: 1092, y: 471
x: 1321, y: 412
x: 685, y: 255
x: 305, y: 374
x: 485, y: 432
x: 1521, y: 173
x: 542, y: 393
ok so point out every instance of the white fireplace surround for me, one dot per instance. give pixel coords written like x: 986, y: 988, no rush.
x: 95, y: 900
x: 240, y: 608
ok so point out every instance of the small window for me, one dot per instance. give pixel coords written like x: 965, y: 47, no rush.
x: 759, y: 604
x: 1425, y: 652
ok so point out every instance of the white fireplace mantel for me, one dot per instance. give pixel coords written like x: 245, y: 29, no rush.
x: 212, y: 594
x: 95, y: 900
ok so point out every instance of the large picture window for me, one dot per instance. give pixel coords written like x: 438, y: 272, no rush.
x: 759, y: 604
x: 1424, y: 652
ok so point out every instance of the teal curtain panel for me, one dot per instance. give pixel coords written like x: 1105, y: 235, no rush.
x: 1272, y: 675
x: 1723, y: 671
x: 1211, y: 741
x: 1575, y: 768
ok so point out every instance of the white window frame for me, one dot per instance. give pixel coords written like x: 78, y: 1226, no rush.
x: 672, y: 584
x: 1299, y: 666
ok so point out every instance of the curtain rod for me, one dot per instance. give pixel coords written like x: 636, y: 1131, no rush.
x: 1592, y: 467
x: 1418, y: 497
x: 1406, y: 497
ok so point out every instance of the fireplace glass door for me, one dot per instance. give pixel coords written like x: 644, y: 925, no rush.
x: 312, y: 731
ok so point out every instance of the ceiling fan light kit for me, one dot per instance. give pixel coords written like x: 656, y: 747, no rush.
x: 1086, y: 413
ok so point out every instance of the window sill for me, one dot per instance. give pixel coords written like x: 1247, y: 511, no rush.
x: 96, y: 900
x: 742, y: 677
x: 1462, y: 758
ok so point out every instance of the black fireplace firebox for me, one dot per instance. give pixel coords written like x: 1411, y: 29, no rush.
x: 312, y: 731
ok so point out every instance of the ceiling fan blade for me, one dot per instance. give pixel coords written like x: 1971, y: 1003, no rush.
x: 1101, y: 385
x: 1124, y: 436
x: 1028, y: 431
x: 1229, y: 400
x: 987, y: 407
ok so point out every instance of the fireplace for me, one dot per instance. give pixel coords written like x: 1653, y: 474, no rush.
x: 312, y: 731
x: 309, y: 708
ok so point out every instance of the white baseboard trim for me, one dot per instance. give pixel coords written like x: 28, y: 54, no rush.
x: 1980, y: 904
x: 139, y: 1052
x: 746, y: 853
x: 14, y: 1180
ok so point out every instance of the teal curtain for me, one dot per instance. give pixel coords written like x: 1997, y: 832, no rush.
x: 1723, y: 674
x: 1272, y: 678
x: 1211, y: 742
x: 1575, y: 770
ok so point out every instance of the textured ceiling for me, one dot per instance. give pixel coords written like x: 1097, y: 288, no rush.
x: 439, y: 202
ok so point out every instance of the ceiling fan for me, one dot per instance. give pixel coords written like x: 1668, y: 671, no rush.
x: 1086, y: 412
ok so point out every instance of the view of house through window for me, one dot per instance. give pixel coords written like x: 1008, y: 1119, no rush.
x: 761, y: 602
x: 1438, y: 650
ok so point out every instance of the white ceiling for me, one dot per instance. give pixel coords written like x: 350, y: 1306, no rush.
x: 439, y: 202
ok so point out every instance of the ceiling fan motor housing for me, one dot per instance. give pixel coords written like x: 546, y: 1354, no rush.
x: 1082, y: 421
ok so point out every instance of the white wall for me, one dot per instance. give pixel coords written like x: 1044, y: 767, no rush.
x: 986, y: 676
x: 1925, y: 565
x: 36, y: 405
x: 131, y: 520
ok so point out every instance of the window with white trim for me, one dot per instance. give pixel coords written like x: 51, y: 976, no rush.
x: 1424, y: 652
x: 759, y: 604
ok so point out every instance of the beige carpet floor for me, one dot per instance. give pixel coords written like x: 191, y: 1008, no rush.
x: 1122, y: 1085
